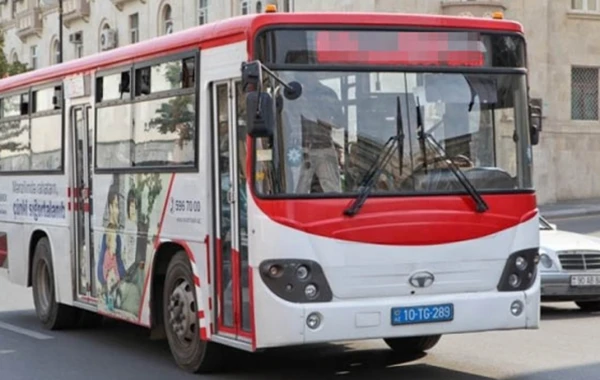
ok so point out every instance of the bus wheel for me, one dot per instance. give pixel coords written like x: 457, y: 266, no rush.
x: 52, y: 315
x: 413, y: 344
x: 182, y: 325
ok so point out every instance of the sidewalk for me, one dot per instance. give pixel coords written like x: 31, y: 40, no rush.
x: 566, y: 209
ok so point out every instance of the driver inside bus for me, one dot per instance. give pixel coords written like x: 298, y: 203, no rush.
x: 316, y: 113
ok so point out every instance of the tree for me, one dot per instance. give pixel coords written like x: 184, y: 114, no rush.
x: 12, y: 68
x: 10, y: 132
x: 176, y: 115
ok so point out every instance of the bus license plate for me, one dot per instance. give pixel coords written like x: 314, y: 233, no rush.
x: 583, y: 280
x: 422, y: 314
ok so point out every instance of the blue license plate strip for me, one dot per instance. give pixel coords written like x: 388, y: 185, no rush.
x: 422, y: 314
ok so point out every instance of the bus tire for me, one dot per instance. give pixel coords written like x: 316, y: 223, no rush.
x: 413, y: 344
x: 52, y: 314
x: 182, y: 326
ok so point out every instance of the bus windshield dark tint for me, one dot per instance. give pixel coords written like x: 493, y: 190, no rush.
x: 391, y: 48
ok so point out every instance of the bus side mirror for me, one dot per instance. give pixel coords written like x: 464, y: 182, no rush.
x: 535, y: 123
x: 261, y: 114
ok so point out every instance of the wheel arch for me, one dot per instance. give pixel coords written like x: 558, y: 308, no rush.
x: 160, y: 262
x: 36, y: 235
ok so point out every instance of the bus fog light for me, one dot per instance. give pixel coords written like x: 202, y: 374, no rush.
x: 516, y: 308
x: 521, y: 263
x: 310, y: 291
x: 313, y: 320
x: 514, y: 281
x: 302, y: 272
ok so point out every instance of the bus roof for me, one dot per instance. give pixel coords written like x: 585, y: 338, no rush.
x: 239, y: 29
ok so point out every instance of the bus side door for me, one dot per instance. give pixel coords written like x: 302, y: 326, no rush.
x: 81, y: 156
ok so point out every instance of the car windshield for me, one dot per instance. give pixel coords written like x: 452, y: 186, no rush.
x: 328, y: 138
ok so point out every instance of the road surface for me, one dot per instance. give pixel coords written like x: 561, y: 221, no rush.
x: 564, y: 348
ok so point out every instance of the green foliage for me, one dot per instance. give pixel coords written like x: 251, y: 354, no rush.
x: 154, y: 184
x: 176, y: 115
x: 7, y: 68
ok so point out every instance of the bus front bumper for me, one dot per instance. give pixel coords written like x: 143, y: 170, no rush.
x: 280, y: 323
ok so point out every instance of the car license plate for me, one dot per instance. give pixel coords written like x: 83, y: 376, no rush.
x: 422, y: 314
x: 585, y: 280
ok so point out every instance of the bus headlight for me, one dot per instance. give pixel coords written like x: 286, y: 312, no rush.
x: 297, y: 281
x: 520, y: 271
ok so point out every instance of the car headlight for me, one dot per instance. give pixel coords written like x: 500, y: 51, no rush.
x: 546, y: 261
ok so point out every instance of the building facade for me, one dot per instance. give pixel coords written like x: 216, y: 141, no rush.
x: 563, y: 63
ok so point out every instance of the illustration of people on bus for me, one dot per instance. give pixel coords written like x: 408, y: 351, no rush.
x: 118, y: 270
x: 111, y: 268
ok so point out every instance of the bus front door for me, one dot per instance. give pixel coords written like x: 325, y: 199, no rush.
x: 232, y: 276
x: 80, y: 189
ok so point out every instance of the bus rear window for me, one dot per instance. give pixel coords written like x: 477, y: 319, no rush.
x: 390, y: 48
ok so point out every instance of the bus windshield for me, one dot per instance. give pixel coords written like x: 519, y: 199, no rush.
x: 359, y: 89
x: 329, y: 137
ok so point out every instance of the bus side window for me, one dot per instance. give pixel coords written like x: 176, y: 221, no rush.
x: 189, y: 72
x: 142, y: 81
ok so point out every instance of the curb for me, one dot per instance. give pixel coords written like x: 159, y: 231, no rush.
x: 568, y: 213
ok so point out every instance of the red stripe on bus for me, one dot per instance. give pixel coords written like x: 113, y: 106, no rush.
x: 207, y: 242
x: 3, y: 256
x: 144, y: 292
x: 403, y: 220
x: 200, y: 314
x: 219, y: 251
x: 251, y: 292
x: 197, y: 281
x: 212, y: 328
x: 164, y: 211
x: 210, y: 303
x: 203, y: 334
x: 156, y: 242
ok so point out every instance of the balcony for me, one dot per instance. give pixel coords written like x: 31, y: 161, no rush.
x: 74, y: 10
x: 29, y: 23
x: 121, y: 3
x: 472, y: 8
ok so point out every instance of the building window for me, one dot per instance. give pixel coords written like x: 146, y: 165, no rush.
x: 167, y: 19
x: 258, y: 7
x: 585, y: 5
x: 287, y: 6
x: 584, y: 93
x: 34, y: 57
x: 202, y: 12
x: 245, y: 7
x: 134, y: 31
x: 13, y: 8
x: 55, y: 52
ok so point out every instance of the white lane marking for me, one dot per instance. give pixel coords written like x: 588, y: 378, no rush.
x: 4, y: 352
x: 22, y: 331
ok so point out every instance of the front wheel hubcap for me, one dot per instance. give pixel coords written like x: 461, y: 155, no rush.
x: 182, y: 313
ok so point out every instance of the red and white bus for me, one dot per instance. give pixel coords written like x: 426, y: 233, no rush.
x: 279, y: 179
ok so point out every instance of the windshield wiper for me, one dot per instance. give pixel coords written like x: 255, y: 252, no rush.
x: 369, y: 179
x: 481, y: 205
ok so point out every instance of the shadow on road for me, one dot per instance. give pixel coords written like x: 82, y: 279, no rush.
x: 550, y: 313
x: 120, y: 350
x: 583, y: 372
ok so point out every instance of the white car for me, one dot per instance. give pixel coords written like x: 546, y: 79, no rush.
x: 569, y: 267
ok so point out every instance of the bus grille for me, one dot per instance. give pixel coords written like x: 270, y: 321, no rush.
x: 580, y: 260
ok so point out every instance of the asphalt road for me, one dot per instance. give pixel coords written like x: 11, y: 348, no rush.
x: 564, y: 348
